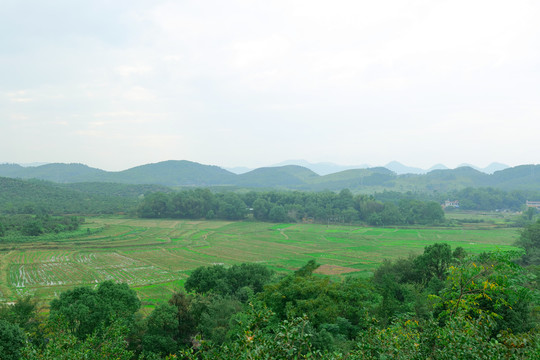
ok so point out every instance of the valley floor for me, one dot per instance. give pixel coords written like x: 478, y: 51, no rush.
x: 155, y: 256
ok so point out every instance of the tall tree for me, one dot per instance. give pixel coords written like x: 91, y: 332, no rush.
x: 529, y: 240
x: 435, y: 260
x: 87, y: 310
x: 12, y: 340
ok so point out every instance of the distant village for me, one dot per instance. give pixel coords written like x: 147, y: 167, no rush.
x: 455, y: 204
x: 533, y: 204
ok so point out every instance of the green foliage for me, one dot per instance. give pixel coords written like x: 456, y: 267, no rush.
x: 490, y: 199
x: 161, y: 330
x: 322, y: 301
x: 32, y: 228
x: 434, y: 262
x: 489, y: 284
x: 62, y: 344
x: 529, y: 240
x: 261, y: 209
x: 16, y: 227
x: 231, y: 207
x: 12, y: 340
x: 482, y: 309
x: 215, y: 320
x: 255, y: 338
x: 308, y: 269
x: 228, y: 281
x: 405, y: 282
x: 155, y: 205
x: 418, y: 212
x: 461, y: 337
x: 186, y: 321
x: 24, y: 313
x: 278, y: 214
x: 285, y: 206
x: 39, y: 197
x: 86, y: 310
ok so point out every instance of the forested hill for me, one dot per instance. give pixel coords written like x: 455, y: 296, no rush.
x: 39, y: 196
x: 187, y: 173
x: 168, y: 173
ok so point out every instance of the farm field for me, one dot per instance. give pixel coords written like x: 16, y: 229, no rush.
x: 156, y: 256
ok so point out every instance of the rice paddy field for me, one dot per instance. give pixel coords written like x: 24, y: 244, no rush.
x: 156, y: 256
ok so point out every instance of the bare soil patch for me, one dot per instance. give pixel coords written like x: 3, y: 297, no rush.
x: 327, y: 269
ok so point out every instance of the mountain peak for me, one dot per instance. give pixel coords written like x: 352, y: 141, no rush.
x: 401, y: 169
x: 321, y: 168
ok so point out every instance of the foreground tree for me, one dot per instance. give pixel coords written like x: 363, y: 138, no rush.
x: 434, y: 262
x: 86, y: 310
x: 12, y: 340
x: 62, y: 344
x: 220, y: 280
x: 186, y: 322
x: 530, y: 242
x: 161, y: 331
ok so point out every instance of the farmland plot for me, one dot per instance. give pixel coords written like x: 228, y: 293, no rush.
x: 156, y: 256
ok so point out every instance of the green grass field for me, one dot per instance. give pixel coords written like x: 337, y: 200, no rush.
x: 156, y: 256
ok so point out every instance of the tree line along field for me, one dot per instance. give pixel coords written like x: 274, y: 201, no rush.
x: 155, y: 256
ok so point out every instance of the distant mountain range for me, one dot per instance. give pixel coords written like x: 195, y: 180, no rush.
x: 326, y: 168
x: 182, y: 173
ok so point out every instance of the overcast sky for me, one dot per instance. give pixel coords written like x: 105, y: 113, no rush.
x: 115, y: 84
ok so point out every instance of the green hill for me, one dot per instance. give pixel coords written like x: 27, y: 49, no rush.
x: 12, y: 170
x: 32, y: 196
x: 182, y: 173
x: 289, y: 176
x: 60, y: 173
x: 442, y: 180
x: 356, y: 180
x: 174, y: 173
x: 523, y: 177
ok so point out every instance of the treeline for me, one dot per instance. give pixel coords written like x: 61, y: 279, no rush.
x: 290, y: 206
x: 493, y: 199
x: 15, y: 226
x: 484, y: 199
x: 441, y: 304
x: 42, y: 197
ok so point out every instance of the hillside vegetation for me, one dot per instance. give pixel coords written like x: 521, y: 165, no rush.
x: 187, y: 173
x: 39, y: 197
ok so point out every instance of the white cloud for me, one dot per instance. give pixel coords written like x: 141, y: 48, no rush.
x: 130, y: 70
x: 346, y: 81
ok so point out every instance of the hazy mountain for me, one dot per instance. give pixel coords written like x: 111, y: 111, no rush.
x: 321, y: 168
x: 34, y: 164
x: 11, y: 170
x: 187, y: 173
x: 399, y: 168
x: 437, y: 167
x: 355, y: 179
x: 280, y: 176
x: 56, y: 172
x: 326, y: 168
x: 491, y: 168
x: 518, y: 177
x: 238, y: 170
x: 169, y: 173
x: 174, y: 173
x: 468, y: 165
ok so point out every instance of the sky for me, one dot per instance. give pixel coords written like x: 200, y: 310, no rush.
x: 116, y: 84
